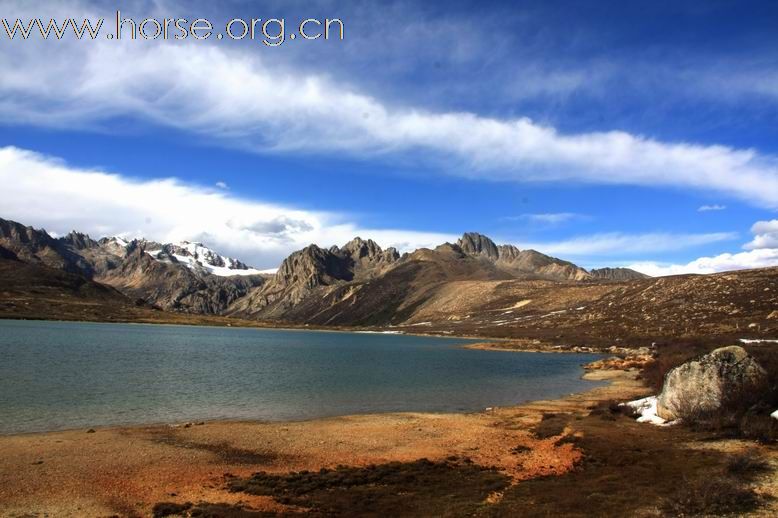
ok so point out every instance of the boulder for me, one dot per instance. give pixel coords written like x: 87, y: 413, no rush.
x: 707, y: 383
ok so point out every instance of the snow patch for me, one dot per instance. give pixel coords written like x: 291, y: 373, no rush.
x: 198, y: 257
x: 774, y: 415
x: 646, y: 407
x: 757, y: 341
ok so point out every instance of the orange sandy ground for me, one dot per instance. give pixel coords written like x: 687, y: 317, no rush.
x: 125, y: 471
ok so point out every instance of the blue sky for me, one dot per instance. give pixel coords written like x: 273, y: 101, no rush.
x: 592, y: 131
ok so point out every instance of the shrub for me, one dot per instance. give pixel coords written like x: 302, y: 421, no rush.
x: 711, y: 496
x: 748, y: 465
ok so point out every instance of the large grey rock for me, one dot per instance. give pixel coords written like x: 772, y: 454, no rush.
x: 708, y: 382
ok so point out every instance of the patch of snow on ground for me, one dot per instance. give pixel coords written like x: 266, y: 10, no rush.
x: 646, y: 407
x: 774, y: 415
x: 758, y: 341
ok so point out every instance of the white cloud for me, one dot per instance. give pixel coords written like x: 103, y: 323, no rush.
x: 762, y: 253
x: 765, y: 235
x: 233, y: 95
x: 711, y: 208
x: 44, y: 192
x: 720, y: 263
x: 221, y: 185
x: 618, y: 244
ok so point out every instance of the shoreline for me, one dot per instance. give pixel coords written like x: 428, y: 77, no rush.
x: 587, y: 375
x: 191, y: 459
x: 538, y: 458
x: 247, y: 324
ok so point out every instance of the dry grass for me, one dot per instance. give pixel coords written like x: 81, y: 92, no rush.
x: 748, y: 465
x: 450, y: 488
x: 711, y: 497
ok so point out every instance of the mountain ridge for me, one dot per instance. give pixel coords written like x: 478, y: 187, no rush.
x: 472, y: 288
x: 190, y: 277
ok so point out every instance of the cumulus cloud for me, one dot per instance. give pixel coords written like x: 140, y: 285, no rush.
x: 719, y: 263
x: 762, y: 252
x: 221, y: 185
x: 236, y: 97
x: 44, y: 192
x: 765, y: 235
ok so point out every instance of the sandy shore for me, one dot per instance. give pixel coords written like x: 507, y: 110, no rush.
x: 125, y: 471
x: 550, y: 455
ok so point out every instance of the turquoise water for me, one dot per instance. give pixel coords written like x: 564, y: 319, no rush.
x: 60, y: 375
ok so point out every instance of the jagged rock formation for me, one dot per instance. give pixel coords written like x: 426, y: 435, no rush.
x: 528, y: 262
x: 726, y: 376
x: 38, y: 247
x: 312, y: 267
x: 616, y: 274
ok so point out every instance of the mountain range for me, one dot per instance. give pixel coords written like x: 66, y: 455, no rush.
x: 473, y: 287
x: 193, y: 278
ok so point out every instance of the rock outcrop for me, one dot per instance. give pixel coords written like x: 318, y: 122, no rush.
x: 304, y: 271
x: 523, y: 262
x: 706, y: 384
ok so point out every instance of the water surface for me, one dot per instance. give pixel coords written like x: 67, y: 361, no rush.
x: 63, y: 375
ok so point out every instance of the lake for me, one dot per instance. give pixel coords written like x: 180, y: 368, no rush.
x: 66, y: 375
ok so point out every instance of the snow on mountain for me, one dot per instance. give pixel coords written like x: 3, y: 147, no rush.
x: 197, y: 256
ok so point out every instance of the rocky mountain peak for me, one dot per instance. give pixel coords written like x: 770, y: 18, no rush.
x: 197, y: 256
x: 368, y: 254
x: 312, y: 266
x: 515, y: 261
x: 359, y: 248
x: 17, y: 232
x: 473, y: 243
x: 79, y: 241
